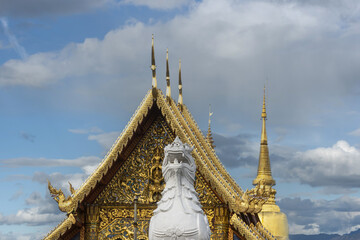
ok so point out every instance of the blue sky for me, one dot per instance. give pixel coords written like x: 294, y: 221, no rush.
x: 73, y: 72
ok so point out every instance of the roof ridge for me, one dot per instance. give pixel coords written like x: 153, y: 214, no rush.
x: 184, y: 126
x: 223, y: 187
x: 60, y: 228
x: 213, y: 153
x: 127, y: 133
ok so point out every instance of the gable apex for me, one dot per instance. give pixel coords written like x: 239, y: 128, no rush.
x: 183, y: 125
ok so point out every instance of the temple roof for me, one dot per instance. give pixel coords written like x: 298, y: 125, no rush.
x: 183, y: 125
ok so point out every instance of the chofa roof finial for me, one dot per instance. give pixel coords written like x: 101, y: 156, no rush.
x: 168, y: 89
x: 153, y: 66
x: 180, y: 99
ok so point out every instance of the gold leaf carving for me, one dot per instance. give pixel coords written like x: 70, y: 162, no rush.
x: 206, y: 195
x: 210, y: 216
x: 141, y: 172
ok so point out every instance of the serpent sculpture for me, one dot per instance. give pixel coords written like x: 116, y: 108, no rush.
x: 179, y: 215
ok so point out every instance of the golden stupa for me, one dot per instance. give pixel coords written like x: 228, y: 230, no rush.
x: 271, y: 217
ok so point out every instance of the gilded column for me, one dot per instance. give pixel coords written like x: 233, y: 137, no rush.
x: 92, y: 222
x: 82, y: 233
x: 221, y: 224
x: 231, y: 234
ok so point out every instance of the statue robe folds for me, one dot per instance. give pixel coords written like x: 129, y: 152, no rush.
x: 178, y: 215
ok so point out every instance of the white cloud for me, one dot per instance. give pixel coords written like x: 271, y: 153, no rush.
x: 159, y: 4
x: 43, y: 211
x: 17, y: 194
x: 35, y: 71
x: 313, y: 216
x: 106, y: 140
x: 235, y: 151
x: 91, y: 56
x: 335, y: 166
x: 17, y: 236
x: 13, y: 40
x: 35, y: 8
x: 48, y: 162
x: 60, y: 180
x: 356, y: 132
x: 86, y: 131
x: 89, y: 169
x: 336, y: 169
x: 310, y: 229
x: 33, y: 217
x: 302, y: 48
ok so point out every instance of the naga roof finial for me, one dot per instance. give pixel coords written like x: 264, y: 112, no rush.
x: 153, y: 66
x: 209, y: 137
x: 168, y: 89
x: 180, y: 99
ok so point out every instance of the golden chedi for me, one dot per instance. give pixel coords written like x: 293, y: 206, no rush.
x: 271, y: 217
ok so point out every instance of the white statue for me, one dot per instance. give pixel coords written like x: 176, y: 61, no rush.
x: 178, y: 215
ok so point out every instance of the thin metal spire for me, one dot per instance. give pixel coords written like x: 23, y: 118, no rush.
x: 209, y: 137
x: 168, y: 89
x: 180, y: 99
x: 263, y: 116
x: 153, y: 66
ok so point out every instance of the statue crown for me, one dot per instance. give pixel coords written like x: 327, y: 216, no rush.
x: 178, y: 146
x: 178, y: 150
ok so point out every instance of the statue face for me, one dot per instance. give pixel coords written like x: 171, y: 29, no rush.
x: 178, y: 160
x: 174, y: 158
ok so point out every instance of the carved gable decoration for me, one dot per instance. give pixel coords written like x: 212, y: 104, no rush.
x: 134, y: 166
x: 141, y: 173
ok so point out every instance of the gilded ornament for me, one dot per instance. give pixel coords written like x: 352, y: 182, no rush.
x: 65, y: 203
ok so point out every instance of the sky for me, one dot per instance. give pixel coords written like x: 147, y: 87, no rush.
x: 72, y: 73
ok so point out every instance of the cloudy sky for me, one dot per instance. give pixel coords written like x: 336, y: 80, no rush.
x: 73, y: 72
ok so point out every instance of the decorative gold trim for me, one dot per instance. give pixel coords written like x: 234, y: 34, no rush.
x: 266, y: 233
x: 107, y: 161
x: 215, y: 161
x: 61, y: 228
x: 244, y: 229
x: 118, y: 146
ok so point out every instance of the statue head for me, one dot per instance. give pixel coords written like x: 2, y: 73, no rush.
x: 58, y: 195
x: 178, y: 160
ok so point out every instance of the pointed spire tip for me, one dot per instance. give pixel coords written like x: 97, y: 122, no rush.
x: 180, y: 99
x: 263, y: 114
x: 153, y: 66
x: 209, y: 137
x: 168, y: 89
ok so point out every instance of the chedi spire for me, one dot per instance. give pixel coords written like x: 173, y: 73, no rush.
x: 264, y: 169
